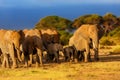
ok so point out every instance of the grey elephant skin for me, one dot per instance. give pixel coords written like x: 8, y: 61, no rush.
x: 50, y: 36
x: 9, y: 45
x: 32, y: 44
x: 70, y: 53
x: 83, y: 37
x: 53, y: 50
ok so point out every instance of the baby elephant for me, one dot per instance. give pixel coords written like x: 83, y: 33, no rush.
x: 70, y: 53
x: 53, y: 51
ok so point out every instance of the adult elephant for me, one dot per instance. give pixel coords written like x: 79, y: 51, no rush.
x: 9, y: 44
x: 50, y: 36
x: 53, y: 50
x: 81, y: 44
x: 32, y: 41
x: 87, y: 34
x: 0, y: 56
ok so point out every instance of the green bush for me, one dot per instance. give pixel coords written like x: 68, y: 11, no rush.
x: 107, y: 42
x: 112, y: 38
x: 64, y: 38
x: 54, y: 22
x: 115, y: 32
x: 116, y: 49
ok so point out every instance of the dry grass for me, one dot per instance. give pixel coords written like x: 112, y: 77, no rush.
x: 65, y: 71
x: 108, y: 68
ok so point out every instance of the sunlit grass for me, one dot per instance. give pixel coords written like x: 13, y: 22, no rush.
x: 66, y: 71
x: 116, y: 49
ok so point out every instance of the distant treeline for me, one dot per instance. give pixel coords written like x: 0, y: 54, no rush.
x: 64, y: 26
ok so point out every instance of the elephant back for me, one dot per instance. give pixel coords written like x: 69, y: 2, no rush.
x: 33, y: 32
x: 33, y: 38
x: 50, y: 35
x: 12, y: 36
x: 54, y: 47
x: 87, y: 30
x: 2, y: 32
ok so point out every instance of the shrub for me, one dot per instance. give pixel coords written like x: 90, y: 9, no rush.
x: 107, y: 42
x: 64, y: 38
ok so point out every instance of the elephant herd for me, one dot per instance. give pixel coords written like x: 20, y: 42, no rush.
x: 20, y: 46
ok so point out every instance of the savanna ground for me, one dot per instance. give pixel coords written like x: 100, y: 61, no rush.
x: 108, y: 68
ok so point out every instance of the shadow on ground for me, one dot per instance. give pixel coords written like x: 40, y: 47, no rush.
x: 110, y: 58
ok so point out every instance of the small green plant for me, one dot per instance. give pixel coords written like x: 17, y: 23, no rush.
x: 116, y: 50
x: 107, y: 42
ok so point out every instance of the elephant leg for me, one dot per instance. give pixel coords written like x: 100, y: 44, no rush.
x: 26, y: 57
x: 3, y: 62
x: 39, y: 52
x: 67, y: 56
x: 14, y: 61
x: 87, y: 52
x: 6, y: 62
x: 48, y: 57
x: 95, y: 48
x: 75, y: 56
x: 19, y: 53
x: 96, y: 57
x: 56, y: 56
x: 86, y: 55
x: 89, y: 57
x: 37, y: 60
x: 31, y: 59
x: 0, y: 61
x: 71, y: 57
x: 80, y: 55
x: 0, y: 56
x: 12, y: 55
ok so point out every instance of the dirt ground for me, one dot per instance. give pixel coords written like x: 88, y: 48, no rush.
x: 107, y: 68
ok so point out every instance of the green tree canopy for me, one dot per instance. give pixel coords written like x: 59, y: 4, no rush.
x: 58, y: 23
x: 55, y: 22
x: 112, y: 38
x: 110, y: 21
x: 87, y: 19
x: 110, y: 18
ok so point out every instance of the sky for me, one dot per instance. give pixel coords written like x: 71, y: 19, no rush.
x: 20, y: 14
x: 48, y: 3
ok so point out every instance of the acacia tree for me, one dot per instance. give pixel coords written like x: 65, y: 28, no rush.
x: 55, y: 22
x: 87, y: 19
x: 58, y: 23
x: 109, y: 21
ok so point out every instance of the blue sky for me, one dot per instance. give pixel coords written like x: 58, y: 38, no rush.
x: 20, y: 14
x: 48, y: 3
